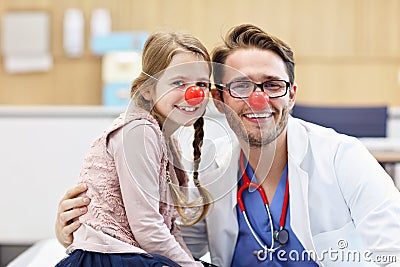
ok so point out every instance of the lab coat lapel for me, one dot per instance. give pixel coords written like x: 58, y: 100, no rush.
x: 228, y: 165
x: 223, y: 180
x: 298, y: 181
x: 223, y: 214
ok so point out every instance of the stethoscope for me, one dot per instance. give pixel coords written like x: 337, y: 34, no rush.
x: 281, y: 236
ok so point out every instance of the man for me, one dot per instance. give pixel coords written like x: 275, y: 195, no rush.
x: 343, y: 208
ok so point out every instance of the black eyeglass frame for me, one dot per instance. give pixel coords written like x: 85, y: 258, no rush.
x: 256, y: 85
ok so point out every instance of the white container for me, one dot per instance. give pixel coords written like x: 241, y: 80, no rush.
x: 100, y: 23
x: 74, y: 33
x: 121, y: 66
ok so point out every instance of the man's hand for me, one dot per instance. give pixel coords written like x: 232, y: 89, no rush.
x: 71, y: 206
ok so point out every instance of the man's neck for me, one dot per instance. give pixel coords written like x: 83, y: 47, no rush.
x: 268, y: 162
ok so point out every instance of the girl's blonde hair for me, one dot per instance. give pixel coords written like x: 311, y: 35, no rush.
x: 158, y: 52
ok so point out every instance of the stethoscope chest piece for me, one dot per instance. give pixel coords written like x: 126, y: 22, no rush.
x: 281, y: 236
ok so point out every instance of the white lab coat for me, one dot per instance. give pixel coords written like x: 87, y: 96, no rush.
x: 339, y: 197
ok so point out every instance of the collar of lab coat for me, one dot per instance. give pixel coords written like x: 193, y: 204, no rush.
x: 297, y: 143
x: 221, y: 181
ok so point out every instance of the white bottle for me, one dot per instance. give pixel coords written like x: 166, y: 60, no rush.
x: 74, y: 33
x: 100, y: 23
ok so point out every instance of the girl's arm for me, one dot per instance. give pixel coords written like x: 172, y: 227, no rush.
x: 137, y: 152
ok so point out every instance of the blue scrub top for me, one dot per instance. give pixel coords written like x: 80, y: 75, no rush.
x: 246, y: 244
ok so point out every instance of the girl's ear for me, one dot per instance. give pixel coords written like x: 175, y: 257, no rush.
x: 146, y: 94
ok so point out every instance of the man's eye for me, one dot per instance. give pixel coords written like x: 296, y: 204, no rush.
x: 241, y: 85
x: 272, y: 85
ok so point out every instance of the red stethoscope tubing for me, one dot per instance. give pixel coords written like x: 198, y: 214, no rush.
x: 247, y: 184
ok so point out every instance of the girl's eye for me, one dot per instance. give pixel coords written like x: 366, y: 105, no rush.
x: 202, y: 84
x: 178, y: 83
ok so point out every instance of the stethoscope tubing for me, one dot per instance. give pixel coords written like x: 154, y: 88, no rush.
x: 269, y: 249
x: 247, y: 185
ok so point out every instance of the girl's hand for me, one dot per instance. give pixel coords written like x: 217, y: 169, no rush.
x: 72, y: 205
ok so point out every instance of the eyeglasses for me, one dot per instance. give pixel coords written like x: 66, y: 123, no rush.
x: 243, y: 89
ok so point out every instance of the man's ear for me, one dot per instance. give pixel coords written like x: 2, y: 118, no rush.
x: 218, y: 101
x: 292, y: 95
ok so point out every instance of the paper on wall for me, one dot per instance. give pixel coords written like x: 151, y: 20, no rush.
x: 26, y: 42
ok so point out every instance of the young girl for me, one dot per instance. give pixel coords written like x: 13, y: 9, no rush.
x: 133, y: 169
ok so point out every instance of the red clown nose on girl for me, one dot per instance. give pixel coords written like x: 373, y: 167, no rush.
x: 194, y: 95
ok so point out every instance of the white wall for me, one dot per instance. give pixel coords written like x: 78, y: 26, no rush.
x: 41, y: 151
